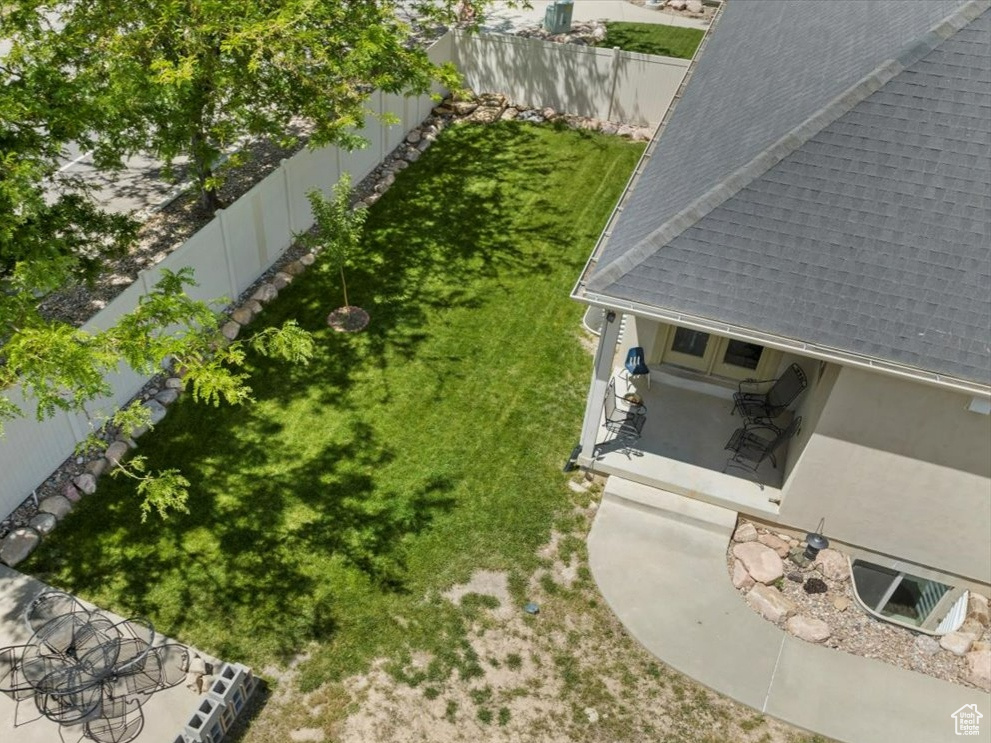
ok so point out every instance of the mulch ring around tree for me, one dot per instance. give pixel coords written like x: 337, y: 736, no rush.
x: 348, y: 319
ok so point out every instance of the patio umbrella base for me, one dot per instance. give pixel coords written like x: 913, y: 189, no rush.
x: 348, y: 319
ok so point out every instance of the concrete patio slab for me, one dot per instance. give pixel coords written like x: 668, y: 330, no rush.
x: 166, y: 712
x: 663, y: 572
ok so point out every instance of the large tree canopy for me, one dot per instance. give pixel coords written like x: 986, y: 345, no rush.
x: 190, y: 78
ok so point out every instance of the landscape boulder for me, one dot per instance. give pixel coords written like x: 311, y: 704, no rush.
x: 770, y: 602
x: 979, y: 668
x: 745, y: 532
x: 775, y: 543
x: 832, y: 565
x: 85, y: 482
x: 157, y: 410
x: 115, y: 453
x: 242, y: 315
x: 741, y: 578
x: 977, y: 608
x: 43, y: 523
x: 958, y: 643
x: 808, y: 628
x: 230, y: 330
x: 57, y: 505
x: 97, y: 467
x: 167, y: 396
x: 265, y: 294
x: 18, y: 545
x: 761, y: 561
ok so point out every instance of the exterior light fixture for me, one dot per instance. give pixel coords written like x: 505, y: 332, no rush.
x: 610, y: 316
x: 815, y: 541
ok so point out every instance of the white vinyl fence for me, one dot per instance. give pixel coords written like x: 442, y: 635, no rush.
x: 605, y: 84
x: 242, y: 241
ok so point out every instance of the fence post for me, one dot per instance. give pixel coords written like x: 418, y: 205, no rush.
x: 228, y: 259
x: 615, y: 78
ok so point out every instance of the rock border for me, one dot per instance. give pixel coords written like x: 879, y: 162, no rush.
x: 78, y: 476
x: 773, y: 576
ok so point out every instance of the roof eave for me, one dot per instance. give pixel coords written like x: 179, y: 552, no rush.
x: 783, y: 343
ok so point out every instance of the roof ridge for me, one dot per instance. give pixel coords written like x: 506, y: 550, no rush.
x: 788, y: 143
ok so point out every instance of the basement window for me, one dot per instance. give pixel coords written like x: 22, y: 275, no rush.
x: 903, y: 598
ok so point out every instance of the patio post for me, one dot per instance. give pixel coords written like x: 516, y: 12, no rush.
x: 601, y: 372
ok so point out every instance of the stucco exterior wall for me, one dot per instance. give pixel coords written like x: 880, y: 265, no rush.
x: 899, y: 468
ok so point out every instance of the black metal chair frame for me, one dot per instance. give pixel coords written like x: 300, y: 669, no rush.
x: 624, y: 421
x: 764, y: 400
x: 751, y: 450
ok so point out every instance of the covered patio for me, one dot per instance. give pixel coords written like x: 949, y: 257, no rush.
x: 682, y: 445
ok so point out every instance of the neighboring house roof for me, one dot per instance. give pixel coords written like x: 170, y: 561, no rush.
x: 826, y: 178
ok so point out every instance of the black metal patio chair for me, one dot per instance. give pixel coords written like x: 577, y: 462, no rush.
x: 51, y: 604
x: 765, y: 400
x: 13, y: 683
x: 756, y: 443
x: 624, y: 419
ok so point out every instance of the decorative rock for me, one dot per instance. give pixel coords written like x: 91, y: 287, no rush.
x: 607, y: 127
x: 424, y: 144
x: 442, y: 111
x: 463, y: 108
x: 741, y: 578
x: 841, y: 603
x: 230, y: 330
x: 795, y: 577
x: 115, y: 453
x: 265, y: 293
x: 254, y: 305
x: 158, y: 411
x: 308, y: 259
x: 808, y: 629
x: 971, y: 626
x: 197, y: 665
x: 694, y: 6
x: 509, y: 114
x: 833, y: 565
x: 57, y: 505
x: 778, y: 545
x: 977, y: 608
x: 85, y: 482
x: 678, y: 4
x: 18, y: 544
x: 167, y: 396
x: 548, y: 113
x: 745, y: 532
x: 531, y: 116
x: 242, y: 315
x: 979, y: 668
x: 958, y: 643
x: 413, y: 137
x: 761, y: 562
x: 296, y: 267
x: 281, y: 280
x: 43, y: 523
x: 626, y: 130
x: 591, y: 714
x: 401, y: 165
x: 71, y: 492
x: 413, y: 155
x: 927, y: 644
x: 97, y: 467
x: 797, y: 556
x: 770, y: 603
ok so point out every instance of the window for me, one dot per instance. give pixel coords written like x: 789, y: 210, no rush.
x: 716, y: 355
x: 898, y: 597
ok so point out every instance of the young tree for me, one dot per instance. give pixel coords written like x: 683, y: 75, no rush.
x: 338, y: 228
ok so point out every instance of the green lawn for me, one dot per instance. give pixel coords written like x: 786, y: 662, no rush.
x: 653, y: 38
x: 330, y: 514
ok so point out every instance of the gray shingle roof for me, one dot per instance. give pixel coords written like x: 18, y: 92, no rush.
x: 807, y: 189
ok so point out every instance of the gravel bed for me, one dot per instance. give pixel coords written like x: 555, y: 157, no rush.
x: 855, y: 631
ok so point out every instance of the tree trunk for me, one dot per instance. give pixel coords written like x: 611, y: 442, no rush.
x: 345, y: 286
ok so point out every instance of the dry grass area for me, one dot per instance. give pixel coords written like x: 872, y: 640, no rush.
x: 570, y: 673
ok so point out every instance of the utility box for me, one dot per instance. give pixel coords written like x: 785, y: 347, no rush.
x: 557, y: 19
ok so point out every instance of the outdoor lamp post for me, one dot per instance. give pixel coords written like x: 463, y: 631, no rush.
x: 815, y: 541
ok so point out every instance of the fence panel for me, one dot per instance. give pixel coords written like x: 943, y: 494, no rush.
x: 304, y: 171
x: 601, y: 83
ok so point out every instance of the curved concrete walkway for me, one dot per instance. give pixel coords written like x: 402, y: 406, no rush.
x: 660, y: 562
x: 503, y: 19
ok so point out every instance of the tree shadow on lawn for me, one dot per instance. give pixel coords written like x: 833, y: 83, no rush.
x: 443, y: 237
x: 245, y: 574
